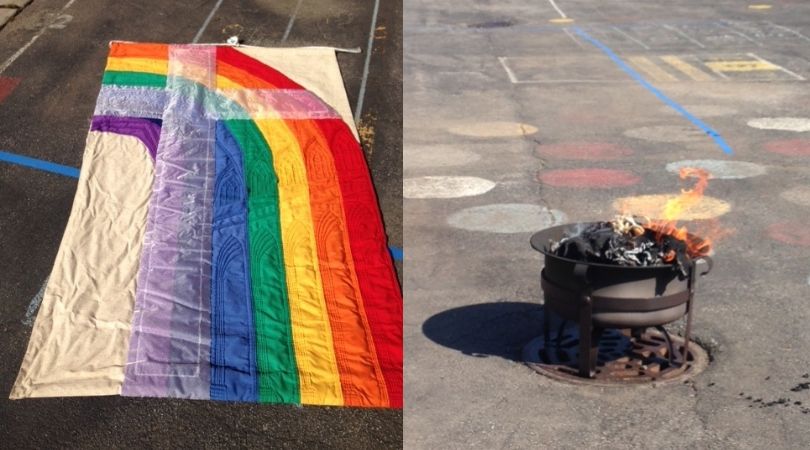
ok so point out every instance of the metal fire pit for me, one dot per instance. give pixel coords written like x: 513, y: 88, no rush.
x: 600, y: 297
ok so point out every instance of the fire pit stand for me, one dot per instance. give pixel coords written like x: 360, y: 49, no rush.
x: 601, y: 298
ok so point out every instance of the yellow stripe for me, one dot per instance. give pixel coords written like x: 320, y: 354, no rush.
x: 226, y: 83
x: 686, y: 68
x: 651, y: 69
x: 312, y: 335
x: 744, y: 65
x: 158, y: 66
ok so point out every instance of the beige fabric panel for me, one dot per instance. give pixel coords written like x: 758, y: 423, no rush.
x: 314, y: 68
x: 80, y: 338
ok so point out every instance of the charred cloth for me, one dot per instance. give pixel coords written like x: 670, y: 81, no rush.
x: 622, y: 242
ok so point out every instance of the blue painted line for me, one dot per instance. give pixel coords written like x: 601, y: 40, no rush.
x: 671, y: 103
x: 39, y: 164
x: 396, y: 253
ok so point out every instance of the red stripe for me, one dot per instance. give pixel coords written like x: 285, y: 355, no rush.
x: 238, y: 59
x: 375, y: 272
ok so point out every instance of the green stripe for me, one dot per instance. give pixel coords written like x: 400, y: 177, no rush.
x: 133, y: 79
x: 277, y: 369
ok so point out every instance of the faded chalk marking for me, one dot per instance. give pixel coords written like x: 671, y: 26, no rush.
x: 789, y: 147
x: 652, y: 206
x: 643, y: 45
x: 686, y: 68
x: 33, y: 39
x: 720, y: 169
x: 799, y: 195
x: 588, y: 178
x: 509, y: 72
x: 493, y: 129
x: 711, y: 132
x: 506, y: 218
x: 795, y: 124
x: 789, y: 30
x: 557, y: 8
x: 573, y: 38
x: 206, y: 22
x: 793, y: 233
x: 445, y: 187
x: 33, y: 306
x: 651, y: 69
x: 592, y: 151
x: 730, y: 27
x: 666, y: 133
x: 685, y: 36
x: 418, y: 156
x: 789, y: 72
x: 7, y: 84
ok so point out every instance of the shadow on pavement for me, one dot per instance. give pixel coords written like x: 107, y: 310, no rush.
x: 487, y: 329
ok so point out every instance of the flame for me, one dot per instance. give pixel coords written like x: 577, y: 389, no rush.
x: 674, y: 209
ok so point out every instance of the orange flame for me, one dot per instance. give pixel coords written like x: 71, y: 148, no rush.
x: 674, y: 209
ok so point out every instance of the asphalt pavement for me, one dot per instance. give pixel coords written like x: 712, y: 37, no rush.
x: 52, y: 55
x: 522, y: 115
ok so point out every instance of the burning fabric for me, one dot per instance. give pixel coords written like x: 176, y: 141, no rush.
x: 624, y: 242
x: 640, y: 242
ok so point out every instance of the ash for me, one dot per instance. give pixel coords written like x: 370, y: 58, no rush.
x: 624, y: 242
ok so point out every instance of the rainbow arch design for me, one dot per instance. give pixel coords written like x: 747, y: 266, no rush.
x: 264, y: 274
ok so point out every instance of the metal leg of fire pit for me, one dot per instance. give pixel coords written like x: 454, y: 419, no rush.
x: 670, y: 347
x: 588, y: 339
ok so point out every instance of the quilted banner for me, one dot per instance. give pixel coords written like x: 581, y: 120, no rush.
x: 225, y: 241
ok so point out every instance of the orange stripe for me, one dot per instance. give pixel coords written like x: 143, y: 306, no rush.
x: 241, y: 77
x: 362, y: 380
x: 137, y: 50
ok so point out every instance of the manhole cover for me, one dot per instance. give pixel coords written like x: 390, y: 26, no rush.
x: 622, y: 359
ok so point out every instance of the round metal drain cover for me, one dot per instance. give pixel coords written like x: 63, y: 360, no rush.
x: 623, y: 359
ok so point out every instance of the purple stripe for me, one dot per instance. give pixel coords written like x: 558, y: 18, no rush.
x: 147, y: 130
x: 171, y: 329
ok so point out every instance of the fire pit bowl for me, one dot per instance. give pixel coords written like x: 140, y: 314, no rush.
x: 603, y: 296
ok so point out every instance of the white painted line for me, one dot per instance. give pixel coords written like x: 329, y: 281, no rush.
x: 573, y: 38
x: 557, y: 8
x: 631, y: 38
x: 789, y: 72
x: 207, y: 21
x: 730, y: 27
x: 33, y: 39
x: 292, y: 20
x: 508, y: 70
x: 33, y: 306
x: 789, y: 30
x: 685, y: 36
x: 361, y: 96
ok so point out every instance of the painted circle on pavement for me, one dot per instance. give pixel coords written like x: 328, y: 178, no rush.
x: 418, y: 156
x: 720, y: 169
x: 797, y: 124
x: 799, y: 195
x: 506, y: 218
x: 445, y: 187
x: 493, y: 129
x: 789, y: 147
x: 652, y: 206
x: 667, y: 133
x: 793, y: 233
x: 583, y: 151
x: 588, y: 178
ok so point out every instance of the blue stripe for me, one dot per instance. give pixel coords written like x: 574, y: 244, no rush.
x: 671, y: 103
x: 39, y: 164
x: 396, y: 252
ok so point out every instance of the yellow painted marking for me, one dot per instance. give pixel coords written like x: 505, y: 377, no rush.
x: 651, y: 69
x: 686, y: 68
x: 561, y: 20
x: 759, y: 7
x: 652, y: 206
x: 750, y: 65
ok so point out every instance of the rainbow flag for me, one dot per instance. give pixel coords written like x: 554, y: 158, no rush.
x: 225, y: 242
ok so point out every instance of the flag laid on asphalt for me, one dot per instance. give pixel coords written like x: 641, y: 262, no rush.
x: 224, y: 243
